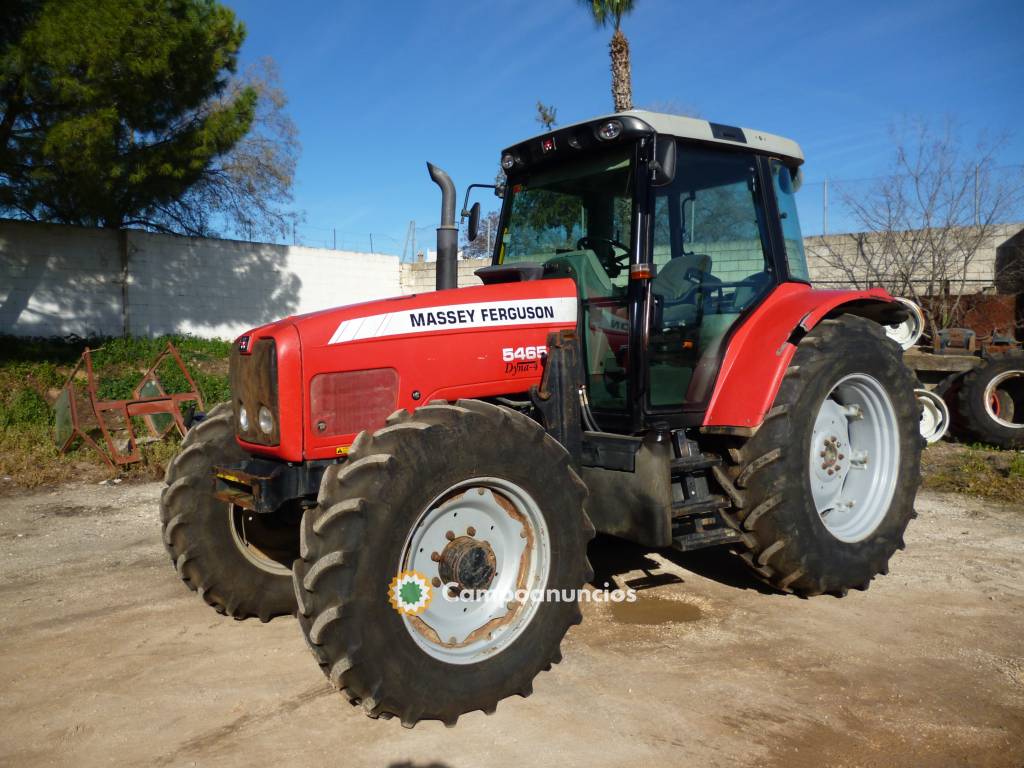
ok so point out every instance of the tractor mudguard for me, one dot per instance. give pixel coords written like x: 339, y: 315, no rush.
x: 761, y: 349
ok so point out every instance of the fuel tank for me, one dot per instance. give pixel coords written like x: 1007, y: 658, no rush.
x: 343, y: 370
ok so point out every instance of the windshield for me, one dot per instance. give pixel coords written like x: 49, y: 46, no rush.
x: 583, y: 207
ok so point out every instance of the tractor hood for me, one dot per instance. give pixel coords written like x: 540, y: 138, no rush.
x: 343, y: 370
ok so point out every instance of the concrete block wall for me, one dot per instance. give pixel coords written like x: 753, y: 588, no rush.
x: 985, y: 269
x: 421, y: 277
x: 221, y: 288
x: 56, y: 280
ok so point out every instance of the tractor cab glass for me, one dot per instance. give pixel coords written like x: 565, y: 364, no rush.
x: 785, y: 196
x: 576, y: 220
x: 710, y: 250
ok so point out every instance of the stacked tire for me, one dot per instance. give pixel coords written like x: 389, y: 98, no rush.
x: 988, y: 401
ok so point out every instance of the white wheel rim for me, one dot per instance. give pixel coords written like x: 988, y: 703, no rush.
x: 934, y: 415
x: 1008, y: 385
x: 854, y: 457
x: 502, y: 517
x: 907, y: 333
x: 237, y: 520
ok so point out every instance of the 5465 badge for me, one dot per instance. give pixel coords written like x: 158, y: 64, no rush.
x: 523, y: 359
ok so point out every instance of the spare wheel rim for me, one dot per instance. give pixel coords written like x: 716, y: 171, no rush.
x: 1009, y: 384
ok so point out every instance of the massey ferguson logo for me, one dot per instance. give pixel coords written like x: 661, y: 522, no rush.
x: 556, y: 311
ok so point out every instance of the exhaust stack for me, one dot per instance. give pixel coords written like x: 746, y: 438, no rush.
x: 447, y: 232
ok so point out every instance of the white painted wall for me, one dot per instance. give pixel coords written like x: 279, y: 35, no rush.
x: 59, y: 280
x: 56, y: 281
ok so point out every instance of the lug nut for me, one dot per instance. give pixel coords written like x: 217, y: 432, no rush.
x: 435, y: 557
x: 436, y: 581
x: 471, y: 531
x: 831, y: 471
x: 450, y: 536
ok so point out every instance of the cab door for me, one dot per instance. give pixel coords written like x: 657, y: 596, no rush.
x: 712, y: 248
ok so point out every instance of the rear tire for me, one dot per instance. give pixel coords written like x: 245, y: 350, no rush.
x: 990, y: 401
x: 238, y: 562
x: 365, y: 529
x: 840, y: 366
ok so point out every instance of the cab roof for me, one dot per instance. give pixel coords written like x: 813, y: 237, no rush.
x: 702, y: 130
x: 640, y: 121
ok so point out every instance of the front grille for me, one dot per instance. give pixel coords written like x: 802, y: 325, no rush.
x: 347, y: 402
x: 254, y: 385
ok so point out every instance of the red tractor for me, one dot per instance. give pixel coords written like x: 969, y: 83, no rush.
x: 645, y: 357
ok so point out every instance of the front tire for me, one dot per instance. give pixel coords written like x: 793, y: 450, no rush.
x: 471, y: 494
x: 238, y: 562
x: 826, y: 485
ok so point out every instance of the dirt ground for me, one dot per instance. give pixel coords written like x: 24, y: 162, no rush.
x: 106, y: 659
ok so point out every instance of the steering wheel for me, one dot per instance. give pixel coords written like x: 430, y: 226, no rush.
x: 613, y: 264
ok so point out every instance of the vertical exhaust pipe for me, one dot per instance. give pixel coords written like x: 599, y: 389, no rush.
x: 447, y: 233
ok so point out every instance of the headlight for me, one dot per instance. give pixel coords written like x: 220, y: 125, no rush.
x: 266, y: 419
x: 243, y: 419
x: 609, y: 130
x: 507, y: 161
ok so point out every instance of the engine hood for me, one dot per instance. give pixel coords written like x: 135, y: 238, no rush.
x: 479, y: 341
x: 479, y: 308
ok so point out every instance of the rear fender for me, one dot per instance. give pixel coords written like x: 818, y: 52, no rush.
x: 761, y: 349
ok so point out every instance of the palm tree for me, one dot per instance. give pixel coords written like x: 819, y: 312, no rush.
x: 605, y: 11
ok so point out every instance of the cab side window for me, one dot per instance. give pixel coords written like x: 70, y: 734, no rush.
x: 785, y: 196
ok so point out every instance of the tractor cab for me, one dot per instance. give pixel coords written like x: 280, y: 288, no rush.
x: 674, y: 229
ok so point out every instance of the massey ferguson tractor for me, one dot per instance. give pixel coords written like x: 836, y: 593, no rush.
x: 644, y: 357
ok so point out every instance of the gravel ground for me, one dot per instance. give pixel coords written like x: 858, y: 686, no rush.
x: 106, y: 659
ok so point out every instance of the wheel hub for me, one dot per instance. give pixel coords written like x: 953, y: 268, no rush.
x: 478, y: 543
x: 831, y: 455
x: 467, y: 562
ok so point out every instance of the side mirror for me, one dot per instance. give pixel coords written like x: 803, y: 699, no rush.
x: 663, y: 167
x: 473, y: 229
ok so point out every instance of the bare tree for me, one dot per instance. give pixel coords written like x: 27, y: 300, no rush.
x: 922, y: 226
x: 547, y: 115
x: 481, y: 247
x: 248, y: 190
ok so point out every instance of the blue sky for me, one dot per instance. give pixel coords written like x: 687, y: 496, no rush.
x: 376, y: 89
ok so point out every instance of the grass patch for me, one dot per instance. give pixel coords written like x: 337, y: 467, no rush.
x: 976, y: 470
x: 32, y: 372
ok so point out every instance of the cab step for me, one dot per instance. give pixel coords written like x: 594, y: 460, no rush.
x: 701, y: 539
x: 699, y: 506
x: 698, y: 523
x: 686, y: 464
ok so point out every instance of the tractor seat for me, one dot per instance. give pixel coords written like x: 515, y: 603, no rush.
x: 671, y: 283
